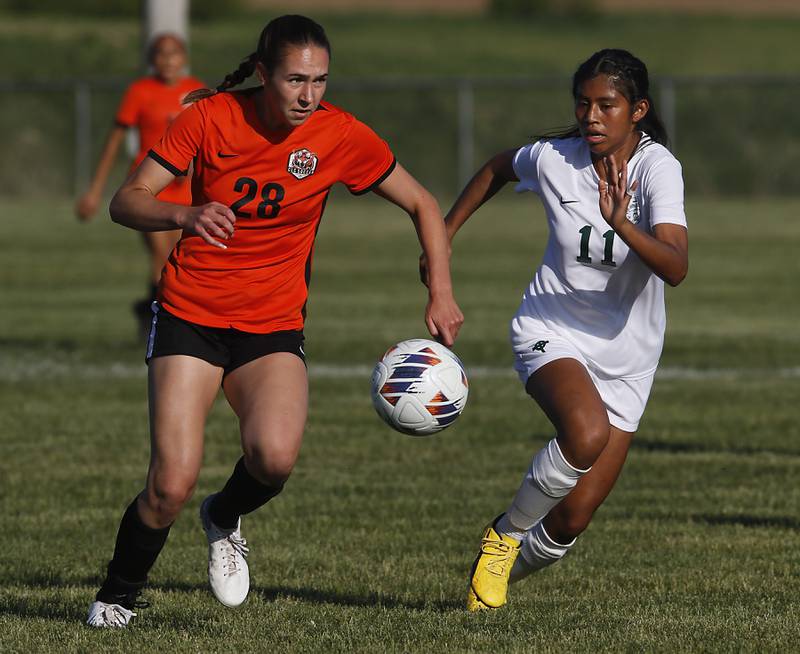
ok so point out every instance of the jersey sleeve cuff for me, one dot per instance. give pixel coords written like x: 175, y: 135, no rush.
x: 166, y: 164
x: 378, y: 181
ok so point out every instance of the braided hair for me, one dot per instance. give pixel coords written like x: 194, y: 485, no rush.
x: 279, y: 33
x: 628, y: 75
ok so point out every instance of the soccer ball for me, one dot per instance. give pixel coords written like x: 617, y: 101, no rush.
x: 419, y: 387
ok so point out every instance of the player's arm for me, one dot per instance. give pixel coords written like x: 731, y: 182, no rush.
x: 666, y: 251
x: 492, y: 176
x: 442, y: 315
x: 87, y: 204
x: 135, y: 205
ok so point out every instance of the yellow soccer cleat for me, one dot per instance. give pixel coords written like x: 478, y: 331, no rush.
x: 489, y: 580
x: 474, y: 604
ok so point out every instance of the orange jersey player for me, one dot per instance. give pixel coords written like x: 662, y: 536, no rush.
x: 232, y: 297
x: 276, y: 186
x: 150, y: 104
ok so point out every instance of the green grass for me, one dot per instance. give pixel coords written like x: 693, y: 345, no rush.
x: 368, y: 548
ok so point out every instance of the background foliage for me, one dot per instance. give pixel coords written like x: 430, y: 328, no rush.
x: 734, y: 134
x: 200, y: 9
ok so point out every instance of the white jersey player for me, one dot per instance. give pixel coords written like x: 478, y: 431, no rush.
x: 588, y: 334
x: 592, y: 296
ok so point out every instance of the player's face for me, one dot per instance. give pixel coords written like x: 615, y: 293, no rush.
x: 169, y: 59
x: 294, y: 89
x: 606, y: 118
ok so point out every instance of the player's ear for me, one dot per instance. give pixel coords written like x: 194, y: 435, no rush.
x: 261, y: 73
x: 640, y: 109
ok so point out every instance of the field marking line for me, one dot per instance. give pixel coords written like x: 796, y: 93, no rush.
x: 12, y: 370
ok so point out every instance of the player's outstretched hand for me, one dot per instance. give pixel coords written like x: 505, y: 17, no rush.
x: 615, y: 195
x: 86, y: 206
x: 444, y: 319
x: 213, y: 222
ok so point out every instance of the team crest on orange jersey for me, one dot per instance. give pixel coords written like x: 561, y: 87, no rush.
x: 302, y: 163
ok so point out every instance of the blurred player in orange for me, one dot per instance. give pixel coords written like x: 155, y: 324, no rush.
x: 231, y: 304
x: 150, y: 104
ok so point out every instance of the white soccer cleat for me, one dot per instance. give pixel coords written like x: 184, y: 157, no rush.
x: 108, y: 616
x: 228, y: 573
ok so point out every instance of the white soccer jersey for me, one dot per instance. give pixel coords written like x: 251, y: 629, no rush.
x: 590, y: 286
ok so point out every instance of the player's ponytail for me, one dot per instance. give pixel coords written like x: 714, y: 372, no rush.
x: 245, y: 69
x: 275, y: 37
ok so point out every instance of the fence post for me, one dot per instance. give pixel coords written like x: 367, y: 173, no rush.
x: 83, y: 135
x: 667, y: 98
x: 466, y: 131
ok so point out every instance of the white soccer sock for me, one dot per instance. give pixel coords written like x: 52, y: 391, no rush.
x: 538, y: 551
x: 505, y: 527
x: 549, y: 478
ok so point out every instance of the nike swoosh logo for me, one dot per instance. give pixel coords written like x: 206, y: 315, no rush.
x: 222, y: 155
x: 568, y: 201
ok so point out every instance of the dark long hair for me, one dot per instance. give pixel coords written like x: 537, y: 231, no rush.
x: 279, y: 33
x: 629, y: 76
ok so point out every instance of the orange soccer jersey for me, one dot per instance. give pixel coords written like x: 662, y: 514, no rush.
x: 277, y: 186
x: 150, y: 106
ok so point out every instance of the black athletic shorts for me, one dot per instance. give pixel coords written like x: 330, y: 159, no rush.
x: 225, y: 347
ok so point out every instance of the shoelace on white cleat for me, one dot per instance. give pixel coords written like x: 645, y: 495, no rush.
x: 238, y: 545
x: 113, y: 615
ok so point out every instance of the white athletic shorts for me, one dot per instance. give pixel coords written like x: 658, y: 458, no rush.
x: 535, y: 345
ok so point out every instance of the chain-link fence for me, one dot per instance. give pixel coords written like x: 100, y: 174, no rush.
x: 733, y: 134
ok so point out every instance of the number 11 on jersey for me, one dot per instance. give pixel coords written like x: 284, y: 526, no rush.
x: 608, y: 248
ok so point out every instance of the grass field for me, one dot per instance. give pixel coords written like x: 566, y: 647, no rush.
x: 368, y: 548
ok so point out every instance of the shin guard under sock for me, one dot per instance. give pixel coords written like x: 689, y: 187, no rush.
x: 550, y: 478
x: 242, y: 494
x: 136, y: 550
x: 538, y: 551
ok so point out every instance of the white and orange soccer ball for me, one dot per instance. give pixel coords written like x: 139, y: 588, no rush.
x: 419, y: 387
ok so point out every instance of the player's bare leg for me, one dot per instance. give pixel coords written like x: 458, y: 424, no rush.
x: 270, y: 397
x: 182, y: 390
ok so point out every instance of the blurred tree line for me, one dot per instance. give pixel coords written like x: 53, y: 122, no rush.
x: 200, y: 9
x: 208, y: 9
x: 533, y: 8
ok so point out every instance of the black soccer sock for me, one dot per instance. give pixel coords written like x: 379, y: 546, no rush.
x: 242, y: 494
x: 136, y: 549
x: 116, y: 590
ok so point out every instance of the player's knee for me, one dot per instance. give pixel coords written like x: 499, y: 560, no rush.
x: 166, y: 497
x: 270, y: 468
x: 584, y: 439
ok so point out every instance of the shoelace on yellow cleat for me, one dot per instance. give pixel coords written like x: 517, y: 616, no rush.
x: 501, y: 554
